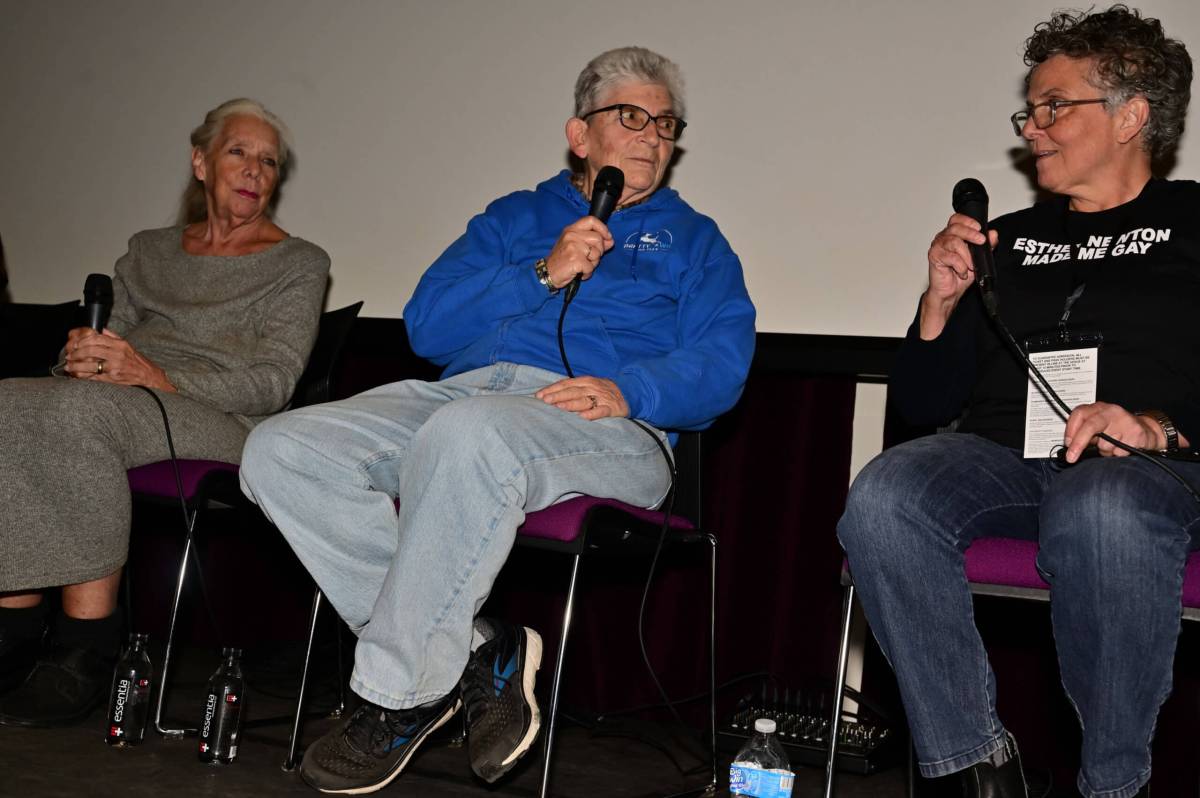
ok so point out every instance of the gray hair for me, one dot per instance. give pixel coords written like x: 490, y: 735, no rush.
x: 627, y: 65
x: 1133, y: 57
x: 194, y: 208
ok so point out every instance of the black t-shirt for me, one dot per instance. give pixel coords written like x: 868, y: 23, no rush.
x: 1139, y: 268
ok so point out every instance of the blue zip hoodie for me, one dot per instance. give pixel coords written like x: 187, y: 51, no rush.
x: 665, y: 315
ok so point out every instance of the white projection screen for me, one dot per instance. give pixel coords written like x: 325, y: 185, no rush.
x: 823, y: 137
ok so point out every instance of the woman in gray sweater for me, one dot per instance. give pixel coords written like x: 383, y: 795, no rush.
x: 217, y: 317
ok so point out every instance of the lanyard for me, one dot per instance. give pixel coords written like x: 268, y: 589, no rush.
x: 1071, y: 300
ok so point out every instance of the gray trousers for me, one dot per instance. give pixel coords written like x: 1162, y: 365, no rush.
x: 65, y: 445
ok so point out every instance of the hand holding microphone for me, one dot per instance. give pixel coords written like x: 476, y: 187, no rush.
x: 958, y: 257
x: 578, y: 250
x: 970, y: 199
x: 96, y: 353
x: 97, y: 304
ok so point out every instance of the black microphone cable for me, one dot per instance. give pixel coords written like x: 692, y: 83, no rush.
x: 970, y: 198
x: 189, y: 538
x: 98, y: 302
x: 1011, y: 341
x: 669, y: 506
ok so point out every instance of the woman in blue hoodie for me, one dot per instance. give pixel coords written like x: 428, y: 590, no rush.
x: 661, y: 331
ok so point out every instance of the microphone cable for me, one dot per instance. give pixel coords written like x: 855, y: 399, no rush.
x: 669, y: 506
x: 990, y: 305
x: 970, y: 198
x: 189, y: 539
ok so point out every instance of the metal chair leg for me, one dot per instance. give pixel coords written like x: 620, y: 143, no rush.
x: 341, y: 670
x: 839, y: 691
x: 290, y: 762
x: 166, y: 667
x: 712, y: 662
x: 558, y: 669
x: 912, y: 768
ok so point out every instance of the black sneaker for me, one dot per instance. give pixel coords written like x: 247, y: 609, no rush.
x: 497, y: 687
x: 370, y: 748
x: 64, y: 687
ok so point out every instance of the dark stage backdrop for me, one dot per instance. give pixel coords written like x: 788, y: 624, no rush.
x: 776, y: 473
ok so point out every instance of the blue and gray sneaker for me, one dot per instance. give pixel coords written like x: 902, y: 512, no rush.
x: 367, y: 750
x: 497, y: 688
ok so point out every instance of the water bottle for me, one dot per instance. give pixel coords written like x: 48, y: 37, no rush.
x: 761, y: 768
x: 222, y: 721
x: 129, y: 701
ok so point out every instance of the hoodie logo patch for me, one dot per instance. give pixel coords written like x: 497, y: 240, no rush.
x: 654, y: 241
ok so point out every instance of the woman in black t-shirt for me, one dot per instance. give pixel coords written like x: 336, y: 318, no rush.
x: 1108, y: 270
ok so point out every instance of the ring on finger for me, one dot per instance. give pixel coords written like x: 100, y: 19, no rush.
x: 100, y: 366
x: 592, y: 399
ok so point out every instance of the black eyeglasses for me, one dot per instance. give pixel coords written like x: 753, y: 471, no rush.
x: 632, y: 117
x: 1045, y: 114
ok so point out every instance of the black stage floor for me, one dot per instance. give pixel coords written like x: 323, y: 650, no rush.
x: 74, y: 762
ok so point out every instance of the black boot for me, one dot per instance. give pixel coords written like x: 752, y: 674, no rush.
x: 64, y: 687
x: 21, y: 633
x: 71, y: 677
x: 989, y: 780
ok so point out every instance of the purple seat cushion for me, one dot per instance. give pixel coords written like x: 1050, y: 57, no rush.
x: 1004, y: 561
x: 158, y: 479
x: 564, y: 521
x: 1007, y: 561
x: 1191, y: 581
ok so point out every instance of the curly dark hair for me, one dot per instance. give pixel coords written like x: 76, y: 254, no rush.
x: 1133, y: 57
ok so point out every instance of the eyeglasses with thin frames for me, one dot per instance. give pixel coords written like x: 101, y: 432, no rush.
x: 1046, y: 114
x: 633, y: 117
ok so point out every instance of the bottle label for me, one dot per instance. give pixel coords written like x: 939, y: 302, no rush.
x: 745, y: 779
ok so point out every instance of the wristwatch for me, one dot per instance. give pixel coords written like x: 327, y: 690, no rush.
x: 543, y: 276
x: 1168, y: 427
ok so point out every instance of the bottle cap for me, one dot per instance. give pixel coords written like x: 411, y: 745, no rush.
x: 764, y: 726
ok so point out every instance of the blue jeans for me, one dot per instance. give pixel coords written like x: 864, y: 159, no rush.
x: 1114, y: 535
x: 466, y: 457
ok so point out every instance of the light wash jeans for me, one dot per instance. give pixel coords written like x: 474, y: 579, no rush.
x: 1114, y: 535
x: 467, y: 457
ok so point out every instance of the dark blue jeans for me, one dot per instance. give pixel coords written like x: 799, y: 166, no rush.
x: 1114, y: 536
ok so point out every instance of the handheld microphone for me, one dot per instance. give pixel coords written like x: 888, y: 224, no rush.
x: 606, y: 191
x: 970, y: 198
x: 98, y: 300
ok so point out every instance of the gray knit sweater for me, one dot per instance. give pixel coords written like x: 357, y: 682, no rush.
x: 231, y: 332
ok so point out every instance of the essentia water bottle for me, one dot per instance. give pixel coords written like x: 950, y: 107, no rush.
x: 761, y: 768
x: 129, y: 702
x: 221, y: 723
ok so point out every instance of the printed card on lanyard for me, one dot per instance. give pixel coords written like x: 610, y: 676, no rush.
x: 1070, y: 362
